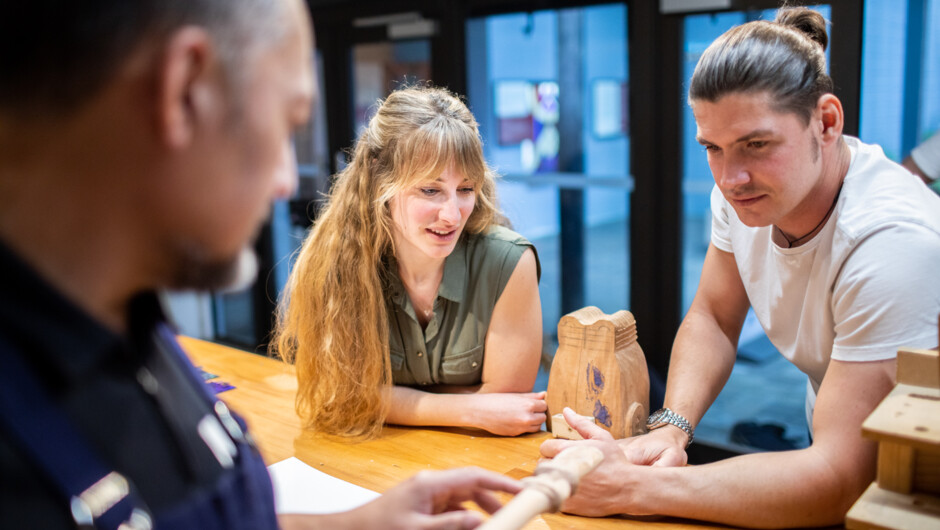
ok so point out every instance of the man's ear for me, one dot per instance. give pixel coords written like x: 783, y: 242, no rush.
x: 831, y: 118
x: 184, y: 85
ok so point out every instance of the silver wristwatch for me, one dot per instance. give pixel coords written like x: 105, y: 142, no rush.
x: 664, y: 416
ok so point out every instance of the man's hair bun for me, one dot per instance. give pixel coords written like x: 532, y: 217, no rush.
x: 806, y: 21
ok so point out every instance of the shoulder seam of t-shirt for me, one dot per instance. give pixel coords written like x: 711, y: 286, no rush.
x: 883, y: 351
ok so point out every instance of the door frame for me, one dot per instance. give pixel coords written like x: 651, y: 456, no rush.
x: 657, y: 97
x: 656, y: 212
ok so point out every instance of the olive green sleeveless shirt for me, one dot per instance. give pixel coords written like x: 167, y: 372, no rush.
x: 450, y: 351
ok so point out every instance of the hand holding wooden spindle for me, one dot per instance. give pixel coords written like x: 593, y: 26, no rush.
x: 553, y: 481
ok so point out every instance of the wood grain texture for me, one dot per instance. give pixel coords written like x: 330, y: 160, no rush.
x: 264, y: 395
x: 599, y: 370
x: 906, y: 425
x: 926, y: 477
x: 879, y: 509
x: 895, y: 467
x: 909, y: 414
x: 918, y: 367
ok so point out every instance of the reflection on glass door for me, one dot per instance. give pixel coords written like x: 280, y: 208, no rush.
x: 900, y: 75
x: 549, y: 89
x: 762, y: 405
x: 381, y: 67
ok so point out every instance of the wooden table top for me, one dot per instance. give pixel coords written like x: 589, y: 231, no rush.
x: 264, y: 395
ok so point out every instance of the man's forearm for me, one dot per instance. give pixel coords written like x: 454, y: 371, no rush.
x: 786, y: 489
x: 702, y: 358
x: 809, y: 487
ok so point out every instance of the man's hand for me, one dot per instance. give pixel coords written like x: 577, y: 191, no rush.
x: 585, y: 427
x: 663, y: 447
x: 430, y: 500
x: 598, y: 491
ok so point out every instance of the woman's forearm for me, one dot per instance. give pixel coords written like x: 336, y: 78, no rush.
x: 505, y: 414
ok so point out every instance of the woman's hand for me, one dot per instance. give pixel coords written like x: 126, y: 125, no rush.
x: 502, y: 413
x: 507, y: 414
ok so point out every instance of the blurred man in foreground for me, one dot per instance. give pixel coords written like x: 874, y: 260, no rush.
x: 141, y: 145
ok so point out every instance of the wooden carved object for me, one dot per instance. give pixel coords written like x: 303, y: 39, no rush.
x: 561, y: 429
x: 600, y: 371
x: 553, y: 481
x: 906, y: 425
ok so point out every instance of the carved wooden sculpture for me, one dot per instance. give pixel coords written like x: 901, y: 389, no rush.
x: 599, y: 370
x: 553, y: 481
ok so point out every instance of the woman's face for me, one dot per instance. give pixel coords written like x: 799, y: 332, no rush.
x: 428, y: 219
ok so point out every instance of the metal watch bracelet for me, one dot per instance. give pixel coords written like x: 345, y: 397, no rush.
x: 666, y: 416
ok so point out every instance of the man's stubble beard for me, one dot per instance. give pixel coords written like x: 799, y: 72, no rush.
x: 196, y: 271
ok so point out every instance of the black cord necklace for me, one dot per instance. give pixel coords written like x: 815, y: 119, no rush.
x: 791, y: 242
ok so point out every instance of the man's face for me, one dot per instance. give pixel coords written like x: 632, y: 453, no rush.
x: 766, y: 163
x: 247, y: 160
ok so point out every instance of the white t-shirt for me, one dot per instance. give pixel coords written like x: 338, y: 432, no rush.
x: 865, y: 285
x: 927, y: 156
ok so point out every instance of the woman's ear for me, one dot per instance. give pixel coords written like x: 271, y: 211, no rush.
x: 186, y: 74
x: 831, y: 117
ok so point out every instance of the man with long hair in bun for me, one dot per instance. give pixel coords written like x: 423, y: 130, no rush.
x: 833, y: 245
x: 409, y: 302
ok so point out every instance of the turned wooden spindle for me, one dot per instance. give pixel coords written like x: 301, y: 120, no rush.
x: 553, y: 481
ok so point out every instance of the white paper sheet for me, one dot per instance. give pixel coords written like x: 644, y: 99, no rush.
x: 299, y: 488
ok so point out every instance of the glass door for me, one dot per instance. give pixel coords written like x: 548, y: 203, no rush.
x: 381, y: 67
x: 901, y: 75
x: 550, y: 90
x: 383, y: 53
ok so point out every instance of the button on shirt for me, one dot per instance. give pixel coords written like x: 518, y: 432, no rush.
x: 451, y: 349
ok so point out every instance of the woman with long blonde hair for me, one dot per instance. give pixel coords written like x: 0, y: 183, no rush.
x: 408, y: 302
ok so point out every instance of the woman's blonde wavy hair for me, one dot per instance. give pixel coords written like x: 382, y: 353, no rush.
x: 332, y: 321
